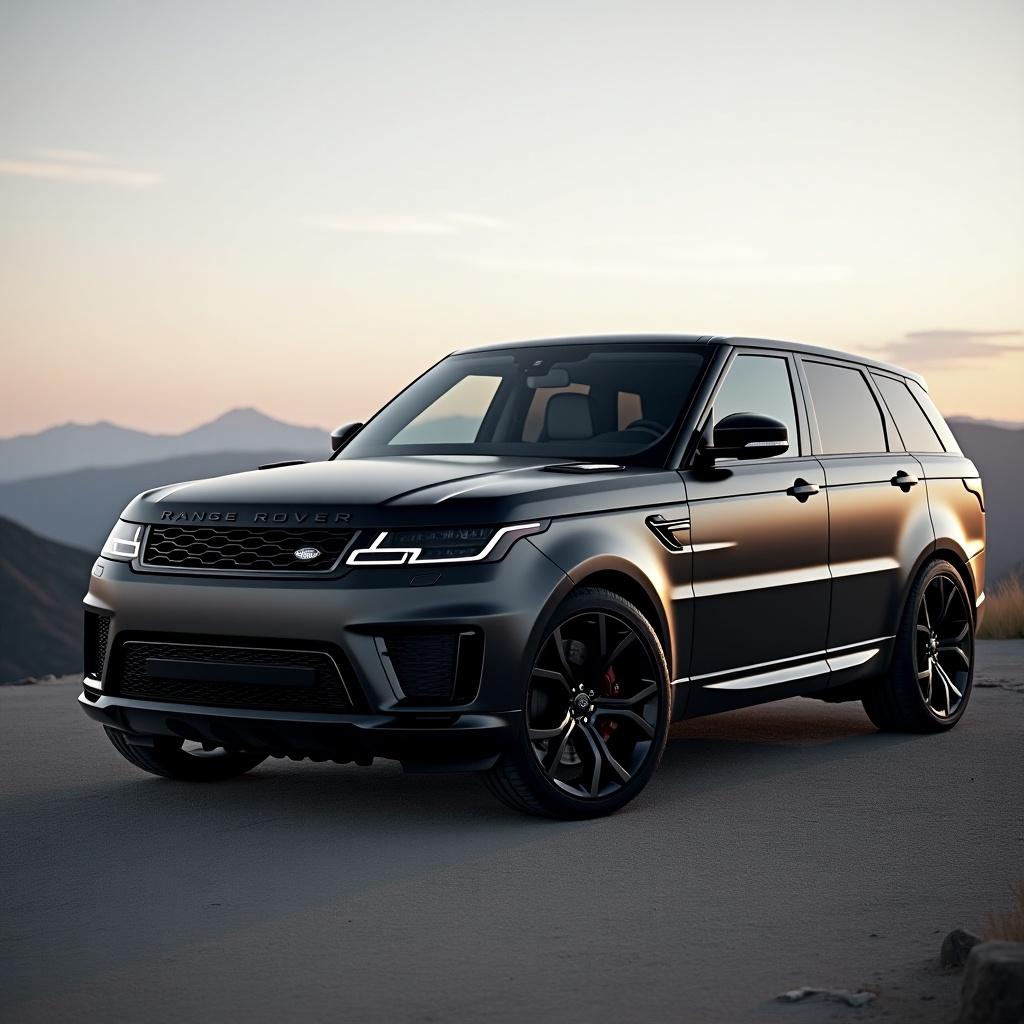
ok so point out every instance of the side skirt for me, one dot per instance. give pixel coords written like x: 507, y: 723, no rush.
x: 806, y: 675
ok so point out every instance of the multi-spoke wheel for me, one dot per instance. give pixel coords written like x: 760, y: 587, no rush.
x: 929, y: 684
x: 944, y: 647
x: 595, y: 715
x: 188, y: 762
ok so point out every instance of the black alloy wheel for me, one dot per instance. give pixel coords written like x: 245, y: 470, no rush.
x: 595, y: 715
x: 929, y: 681
x: 944, y: 647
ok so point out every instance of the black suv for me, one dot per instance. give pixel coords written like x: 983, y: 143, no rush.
x: 537, y: 557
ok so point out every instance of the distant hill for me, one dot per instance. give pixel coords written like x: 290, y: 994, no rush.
x: 41, y: 589
x: 1004, y: 424
x: 80, y: 507
x: 81, y: 446
x: 999, y: 455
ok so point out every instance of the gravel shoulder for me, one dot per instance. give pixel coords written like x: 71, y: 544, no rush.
x: 777, y: 847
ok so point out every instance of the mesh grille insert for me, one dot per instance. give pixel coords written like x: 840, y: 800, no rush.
x: 136, y: 681
x: 436, y: 667
x: 236, y: 549
x: 97, y: 636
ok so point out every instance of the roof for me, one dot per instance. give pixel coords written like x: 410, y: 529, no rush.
x: 703, y: 339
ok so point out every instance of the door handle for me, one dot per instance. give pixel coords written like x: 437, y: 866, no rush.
x: 802, y: 490
x: 904, y: 480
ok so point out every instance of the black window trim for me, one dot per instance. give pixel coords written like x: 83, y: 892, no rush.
x: 707, y: 404
x: 889, y: 431
x: 900, y: 379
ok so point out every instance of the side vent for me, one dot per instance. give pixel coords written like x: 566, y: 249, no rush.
x: 432, y: 667
x: 666, y: 529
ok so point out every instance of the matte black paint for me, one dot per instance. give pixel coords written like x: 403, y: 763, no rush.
x: 791, y: 568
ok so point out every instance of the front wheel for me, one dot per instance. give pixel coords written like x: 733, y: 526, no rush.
x: 596, y: 713
x: 174, y: 759
x: 929, y: 682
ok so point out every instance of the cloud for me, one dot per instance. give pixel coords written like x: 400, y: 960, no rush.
x: 451, y: 223
x: 79, y: 166
x: 745, y: 271
x: 950, y: 346
x: 476, y: 220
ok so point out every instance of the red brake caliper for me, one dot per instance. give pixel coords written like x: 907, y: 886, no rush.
x: 611, y: 689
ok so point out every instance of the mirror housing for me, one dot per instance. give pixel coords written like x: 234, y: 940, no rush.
x: 341, y: 436
x: 746, y: 435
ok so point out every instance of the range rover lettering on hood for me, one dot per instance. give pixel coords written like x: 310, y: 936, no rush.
x: 176, y: 516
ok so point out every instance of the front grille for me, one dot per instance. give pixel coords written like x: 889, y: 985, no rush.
x: 436, y: 667
x: 97, y: 635
x: 133, y: 677
x: 236, y: 549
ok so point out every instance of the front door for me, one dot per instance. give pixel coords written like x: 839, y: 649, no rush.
x: 759, y: 537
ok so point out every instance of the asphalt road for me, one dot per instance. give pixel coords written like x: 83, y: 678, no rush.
x: 776, y: 847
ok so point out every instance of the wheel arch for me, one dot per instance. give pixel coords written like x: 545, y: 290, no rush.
x: 958, y: 559
x: 950, y: 552
x: 629, y: 583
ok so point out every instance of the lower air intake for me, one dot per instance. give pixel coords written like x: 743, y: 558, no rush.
x: 237, y: 677
x: 436, y: 667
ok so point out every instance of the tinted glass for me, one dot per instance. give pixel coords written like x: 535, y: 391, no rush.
x: 911, y: 422
x: 849, y: 420
x: 760, y: 384
x: 560, y: 401
x: 456, y: 416
x: 934, y: 417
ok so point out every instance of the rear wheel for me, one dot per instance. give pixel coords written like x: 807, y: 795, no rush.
x: 929, y: 682
x: 596, y: 713
x: 188, y: 762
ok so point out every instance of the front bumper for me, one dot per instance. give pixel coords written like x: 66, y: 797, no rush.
x: 507, y: 601
x: 424, y: 742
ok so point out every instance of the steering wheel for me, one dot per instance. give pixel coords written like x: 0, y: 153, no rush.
x: 651, y: 426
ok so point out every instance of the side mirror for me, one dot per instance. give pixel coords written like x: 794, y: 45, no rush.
x: 746, y: 435
x: 341, y: 436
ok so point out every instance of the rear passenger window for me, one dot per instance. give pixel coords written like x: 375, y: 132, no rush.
x: 849, y: 420
x: 760, y: 384
x: 917, y: 433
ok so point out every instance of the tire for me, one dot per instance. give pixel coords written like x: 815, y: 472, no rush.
x: 608, y: 671
x: 931, y: 676
x: 168, y: 758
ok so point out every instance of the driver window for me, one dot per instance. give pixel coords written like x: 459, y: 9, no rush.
x: 760, y: 384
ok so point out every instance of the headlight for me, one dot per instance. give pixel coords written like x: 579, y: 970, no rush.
x: 123, y: 542
x: 443, y: 545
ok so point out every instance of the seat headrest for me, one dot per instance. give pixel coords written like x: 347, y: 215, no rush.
x: 567, y: 417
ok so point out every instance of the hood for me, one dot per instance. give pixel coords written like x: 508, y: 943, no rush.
x: 404, y: 491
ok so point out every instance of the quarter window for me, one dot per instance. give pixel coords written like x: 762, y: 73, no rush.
x: 849, y: 420
x: 917, y: 433
x: 760, y: 384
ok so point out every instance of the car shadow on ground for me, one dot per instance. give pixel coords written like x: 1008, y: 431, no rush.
x: 289, y: 838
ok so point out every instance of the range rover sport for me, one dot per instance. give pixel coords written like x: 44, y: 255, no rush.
x: 538, y: 556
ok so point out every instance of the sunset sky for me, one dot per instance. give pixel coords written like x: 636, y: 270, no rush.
x: 299, y: 206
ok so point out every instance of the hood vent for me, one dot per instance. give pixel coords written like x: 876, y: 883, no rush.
x: 586, y: 467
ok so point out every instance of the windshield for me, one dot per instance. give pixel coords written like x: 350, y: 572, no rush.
x: 580, y: 401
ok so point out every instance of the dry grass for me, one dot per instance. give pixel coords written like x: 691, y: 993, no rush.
x: 1004, y: 611
x: 1008, y: 926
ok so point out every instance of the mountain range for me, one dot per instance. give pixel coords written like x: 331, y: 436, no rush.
x: 41, y: 588
x: 74, y: 446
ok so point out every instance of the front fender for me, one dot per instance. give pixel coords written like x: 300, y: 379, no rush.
x: 619, y: 543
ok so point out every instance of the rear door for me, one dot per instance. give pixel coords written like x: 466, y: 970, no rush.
x: 759, y: 536
x: 878, y: 508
